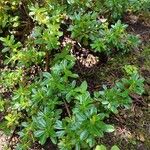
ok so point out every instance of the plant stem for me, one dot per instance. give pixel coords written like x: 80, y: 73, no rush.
x: 66, y: 106
x: 47, y: 61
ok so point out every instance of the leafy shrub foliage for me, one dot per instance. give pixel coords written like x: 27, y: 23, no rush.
x: 115, y: 39
x: 53, y: 105
x: 85, y: 122
x: 7, y: 8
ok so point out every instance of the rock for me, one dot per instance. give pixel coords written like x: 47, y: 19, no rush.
x: 141, y: 137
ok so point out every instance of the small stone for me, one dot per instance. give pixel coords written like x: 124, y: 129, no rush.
x: 86, y: 65
x: 78, y: 57
x: 81, y: 60
x: 141, y: 137
x: 82, y: 55
x: 83, y: 63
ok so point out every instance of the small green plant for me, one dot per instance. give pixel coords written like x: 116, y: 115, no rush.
x: 10, y: 47
x: 85, y: 124
x: 115, y: 9
x: 84, y: 26
x: 10, y: 78
x: 134, y: 84
x: 10, y: 44
x: 8, y: 15
x: 87, y: 27
x: 112, y: 99
x: 115, y: 39
x: 130, y: 69
x: 119, y: 95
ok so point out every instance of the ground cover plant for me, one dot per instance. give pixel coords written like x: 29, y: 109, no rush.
x: 49, y: 50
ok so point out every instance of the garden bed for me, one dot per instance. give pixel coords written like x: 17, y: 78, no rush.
x: 74, y: 77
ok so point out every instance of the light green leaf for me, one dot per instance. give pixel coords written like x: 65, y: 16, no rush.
x: 43, y: 139
x: 109, y: 128
x: 83, y: 86
x: 77, y: 147
x: 115, y: 148
x: 6, y: 49
x: 100, y: 147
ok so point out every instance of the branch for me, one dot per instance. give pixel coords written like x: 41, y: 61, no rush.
x: 66, y: 106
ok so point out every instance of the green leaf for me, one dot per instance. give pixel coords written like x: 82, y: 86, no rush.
x: 80, y: 117
x: 60, y: 133
x: 54, y: 140
x: 41, y: 123
x: 77, y: 147
x: 91, y: 141
x: 3, y: 125
x: 96, y: 94
x: 105, y: 102
x: 83, y: 86
x: 46, y: 74
x: 43, y: 139
x: 39, y: 133
x: 6, y: 49
x: 109, y: 128
x: 83, y: 135
x: 100, y: 147
x: 114, y: 110
x: 115, y: 148
x: 59, y: 124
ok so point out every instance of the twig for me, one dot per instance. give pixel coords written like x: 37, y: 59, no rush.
x: 47, y: 61
x: 66, y: 106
